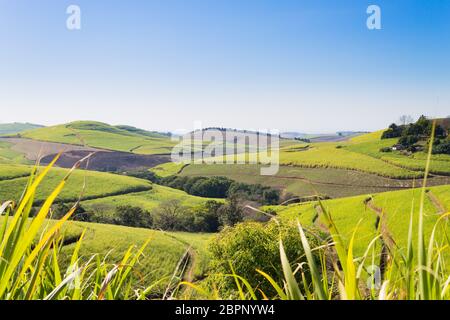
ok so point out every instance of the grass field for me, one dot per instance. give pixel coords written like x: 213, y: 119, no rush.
x: 147, y: 200
x: 167, y: 169
x: 100, y: 135
x: 97, y: 184
x: 308, y: 181
x: 332, y: 155
x: 371, y: 145
x: 160, y: 258
x: 7, y: 155
x: 348, y: 212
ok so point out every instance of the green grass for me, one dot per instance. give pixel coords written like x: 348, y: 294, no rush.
x: 100, y: 135
x: 306, y: 181
x: 160, y: 257
x: 7, y: 155
x: 147, y: 200
x: 98, y: 184
x: 328, y: 155
x: 167, y: 169
x: 348, y: 212
x: 11, y: 171
x: 439, y: 163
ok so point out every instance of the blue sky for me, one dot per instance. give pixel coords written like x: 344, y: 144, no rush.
x: 308, y: 66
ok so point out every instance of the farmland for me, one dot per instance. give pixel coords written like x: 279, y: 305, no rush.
x: 103, y: 136
x: 304, y: 182
x: 147, y: 200
x: 365, y: 188
x: 348, y: 212
x: 83, y: 183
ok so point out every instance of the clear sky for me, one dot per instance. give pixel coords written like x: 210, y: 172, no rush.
x: 308, y: 66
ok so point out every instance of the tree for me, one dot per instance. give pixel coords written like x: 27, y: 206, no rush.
x: 133, y: 217
x: 171, y: 215
x: 405, y: 119
x: 231, y: 213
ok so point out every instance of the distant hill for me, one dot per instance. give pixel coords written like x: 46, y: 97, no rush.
x: 16, y: 127
x: 104, y: 136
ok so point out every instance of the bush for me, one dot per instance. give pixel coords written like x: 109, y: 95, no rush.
x: 206, y: 217
x: 222, y: 187
x: 133, y: 217
x: 142, y: 174
x: 61, y: 209
x: 251, y: 246
x: 443, y: 147
x: 394, y: 131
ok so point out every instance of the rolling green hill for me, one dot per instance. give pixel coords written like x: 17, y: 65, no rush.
x: 302, y: 182
x: 104, y: 136
x: 16, y: 127
x: 98, y: 190
x: 396, y: 206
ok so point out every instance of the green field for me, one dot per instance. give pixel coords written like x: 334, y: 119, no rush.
x: 147, y: 200
x: 160, y: 258
x: 100, y: 135
x: 7, y: 155
x: 348, y: 212
x: 97, y: 184
x: 102, y: 192
x: 332, y: 155
x: 372, y: 143
x: 308, y: 181
x: 361, y: 153
x: 168, y: 169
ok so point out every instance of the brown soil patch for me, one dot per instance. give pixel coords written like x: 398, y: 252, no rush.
x: 108, y: 161
x: 34, y: 149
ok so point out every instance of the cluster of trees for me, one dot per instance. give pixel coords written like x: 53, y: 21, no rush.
x: 171, y: 215
x: 410, y: 134
x: 222, y: 187
x: 303, y: 140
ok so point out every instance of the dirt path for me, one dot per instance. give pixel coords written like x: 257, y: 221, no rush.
x: 387, y: 241
x: 381, y: 214
x: 189, y: 273
x: 437, y: 203
x: 316, y: 220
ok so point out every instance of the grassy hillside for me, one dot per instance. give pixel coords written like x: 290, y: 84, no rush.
x: 168, y: 169
x: 97, y: 184
x: 160, y: 258
x: 16, y: 127
x: 307, y: 181
x: 360, y: 153
x: 7, y: 155
x: 396, y: 205
x: 371, y: 144
x: 104, y: 136
x: 147, y: 200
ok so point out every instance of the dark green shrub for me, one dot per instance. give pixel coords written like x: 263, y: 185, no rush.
x: 250, y: 246
x: 133, y: 217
